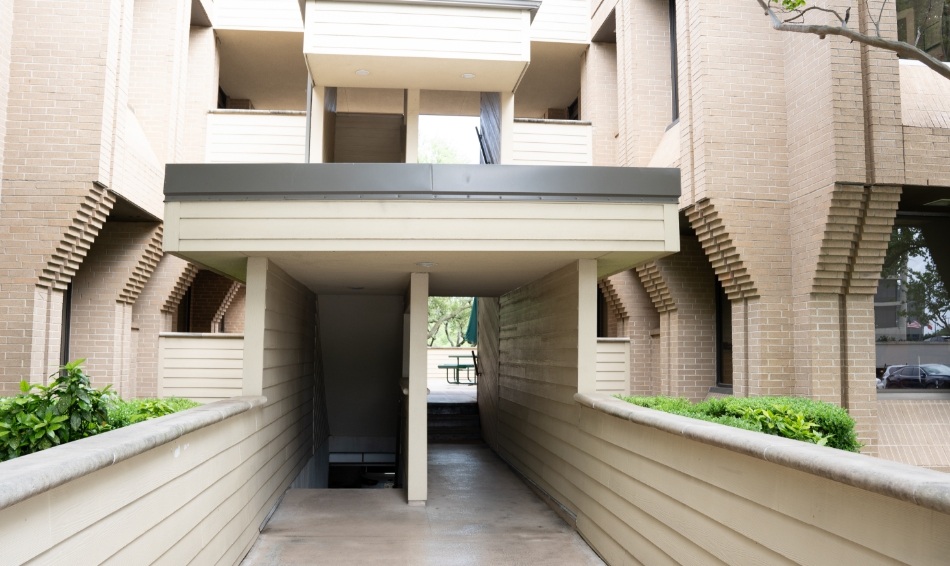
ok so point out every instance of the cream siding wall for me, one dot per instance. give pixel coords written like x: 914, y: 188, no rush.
x: 389, y: 225
x: 562, y: 21
x: 613, y: 366
x: 272, y: 15
x: 193, y: 498
x: 203, y: 368
x: 256, y: 137
x: 395, y: 30
x: 552, y: 143
x: 650, y: 495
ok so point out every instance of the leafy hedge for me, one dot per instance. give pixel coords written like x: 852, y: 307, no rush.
x: 791, y: 417
x: 69, y: 408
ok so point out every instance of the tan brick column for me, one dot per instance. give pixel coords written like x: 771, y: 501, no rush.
x: 154, y: 312
x: 599, y: 100
x: 107, y: 285
x: 640, y: 321
x: 682, y: 289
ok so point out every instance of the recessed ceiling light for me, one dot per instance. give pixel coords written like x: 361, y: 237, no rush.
x: 940, y: 202
x: 468, y: 75
x: 427, y: 264
x: 362, y: 72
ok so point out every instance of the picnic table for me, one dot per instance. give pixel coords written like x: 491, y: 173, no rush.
x: 453, y: 371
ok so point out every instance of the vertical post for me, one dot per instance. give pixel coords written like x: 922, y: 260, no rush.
x: 254, y: 311
x: 316, y: 115
x: 507, y: 127
x: 586, y: 326
x: 411, y: 113
x: 417, y: 445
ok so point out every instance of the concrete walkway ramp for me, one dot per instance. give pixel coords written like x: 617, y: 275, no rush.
x: 478, y: 513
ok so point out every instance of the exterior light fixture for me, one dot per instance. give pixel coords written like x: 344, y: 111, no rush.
x: 362, y: 72
x: 468, y: 75
x: 427, y: 264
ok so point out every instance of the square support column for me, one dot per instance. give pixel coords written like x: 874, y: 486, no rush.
x: 411, y: 101
x: 586, y: 326
x: 417, y: 437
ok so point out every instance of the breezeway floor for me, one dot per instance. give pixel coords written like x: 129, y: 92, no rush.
x: 478, y: 513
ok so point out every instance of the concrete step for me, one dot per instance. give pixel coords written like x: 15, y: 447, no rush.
x: 454, y: 422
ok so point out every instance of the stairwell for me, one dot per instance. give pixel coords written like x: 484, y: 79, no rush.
x: 454, y: 422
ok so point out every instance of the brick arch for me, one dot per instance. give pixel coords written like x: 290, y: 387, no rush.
x: 722, y: 251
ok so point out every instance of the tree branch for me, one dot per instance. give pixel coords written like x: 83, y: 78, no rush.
x: 899, y: 47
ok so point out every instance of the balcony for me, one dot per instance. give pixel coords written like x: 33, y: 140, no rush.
x: 551, y: 142
x: 198, y: 366
x: 256, y: 136
x: 474, y: 46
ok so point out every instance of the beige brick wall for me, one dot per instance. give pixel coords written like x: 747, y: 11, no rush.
x: 202, y: 94
x: 599, y: 100
x: 643, y: 78
x: 208, y: 292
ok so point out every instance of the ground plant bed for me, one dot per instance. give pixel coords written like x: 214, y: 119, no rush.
x: 791, y: 417
x: 70, y: 408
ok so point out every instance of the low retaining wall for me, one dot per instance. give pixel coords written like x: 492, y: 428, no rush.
x: 659, y: 488
x: 192, y: 486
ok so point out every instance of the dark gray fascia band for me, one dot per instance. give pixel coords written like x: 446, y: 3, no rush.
x: 401, y: 181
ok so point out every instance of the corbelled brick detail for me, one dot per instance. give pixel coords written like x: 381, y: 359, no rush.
x: 656, y: 287
x: 856, y: 235
x: 614, y: 302
x: 232, y: 293
x: 182, y: 283
x: 721, y: 250
x: 77, y: 238
x: 143, y: 268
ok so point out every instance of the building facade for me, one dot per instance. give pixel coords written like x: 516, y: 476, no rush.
x: 796, y: 156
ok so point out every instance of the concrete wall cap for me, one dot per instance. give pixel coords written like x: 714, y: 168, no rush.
x: 33, y: 474
x: 920, y: 486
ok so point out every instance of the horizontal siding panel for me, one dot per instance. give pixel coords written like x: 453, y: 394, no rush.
x: 552, y: 144
x: 386, y: 229
x: 256, y: 138
x: 393, y: 30
x: 411, y: 210
x: 201, y: 368
x: 562, y: 21
x: 277, y: 15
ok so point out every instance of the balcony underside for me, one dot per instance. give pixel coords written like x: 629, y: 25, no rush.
x: 478, y: 230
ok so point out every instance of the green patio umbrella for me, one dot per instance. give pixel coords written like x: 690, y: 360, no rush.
x: 471, y: 334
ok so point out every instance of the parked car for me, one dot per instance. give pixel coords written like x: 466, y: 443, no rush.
x: 923, y: 376
x: 884, y: 373
x: 937, y: 339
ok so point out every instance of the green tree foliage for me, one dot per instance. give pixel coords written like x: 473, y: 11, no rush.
x: 905, y: 242
x: 437, y: 151
x: 448, y: 320
x: 927, y: 297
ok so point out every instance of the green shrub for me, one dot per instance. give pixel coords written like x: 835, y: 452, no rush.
x: 791, y: 417
x: 69, y: 408
x: 124, y: 413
